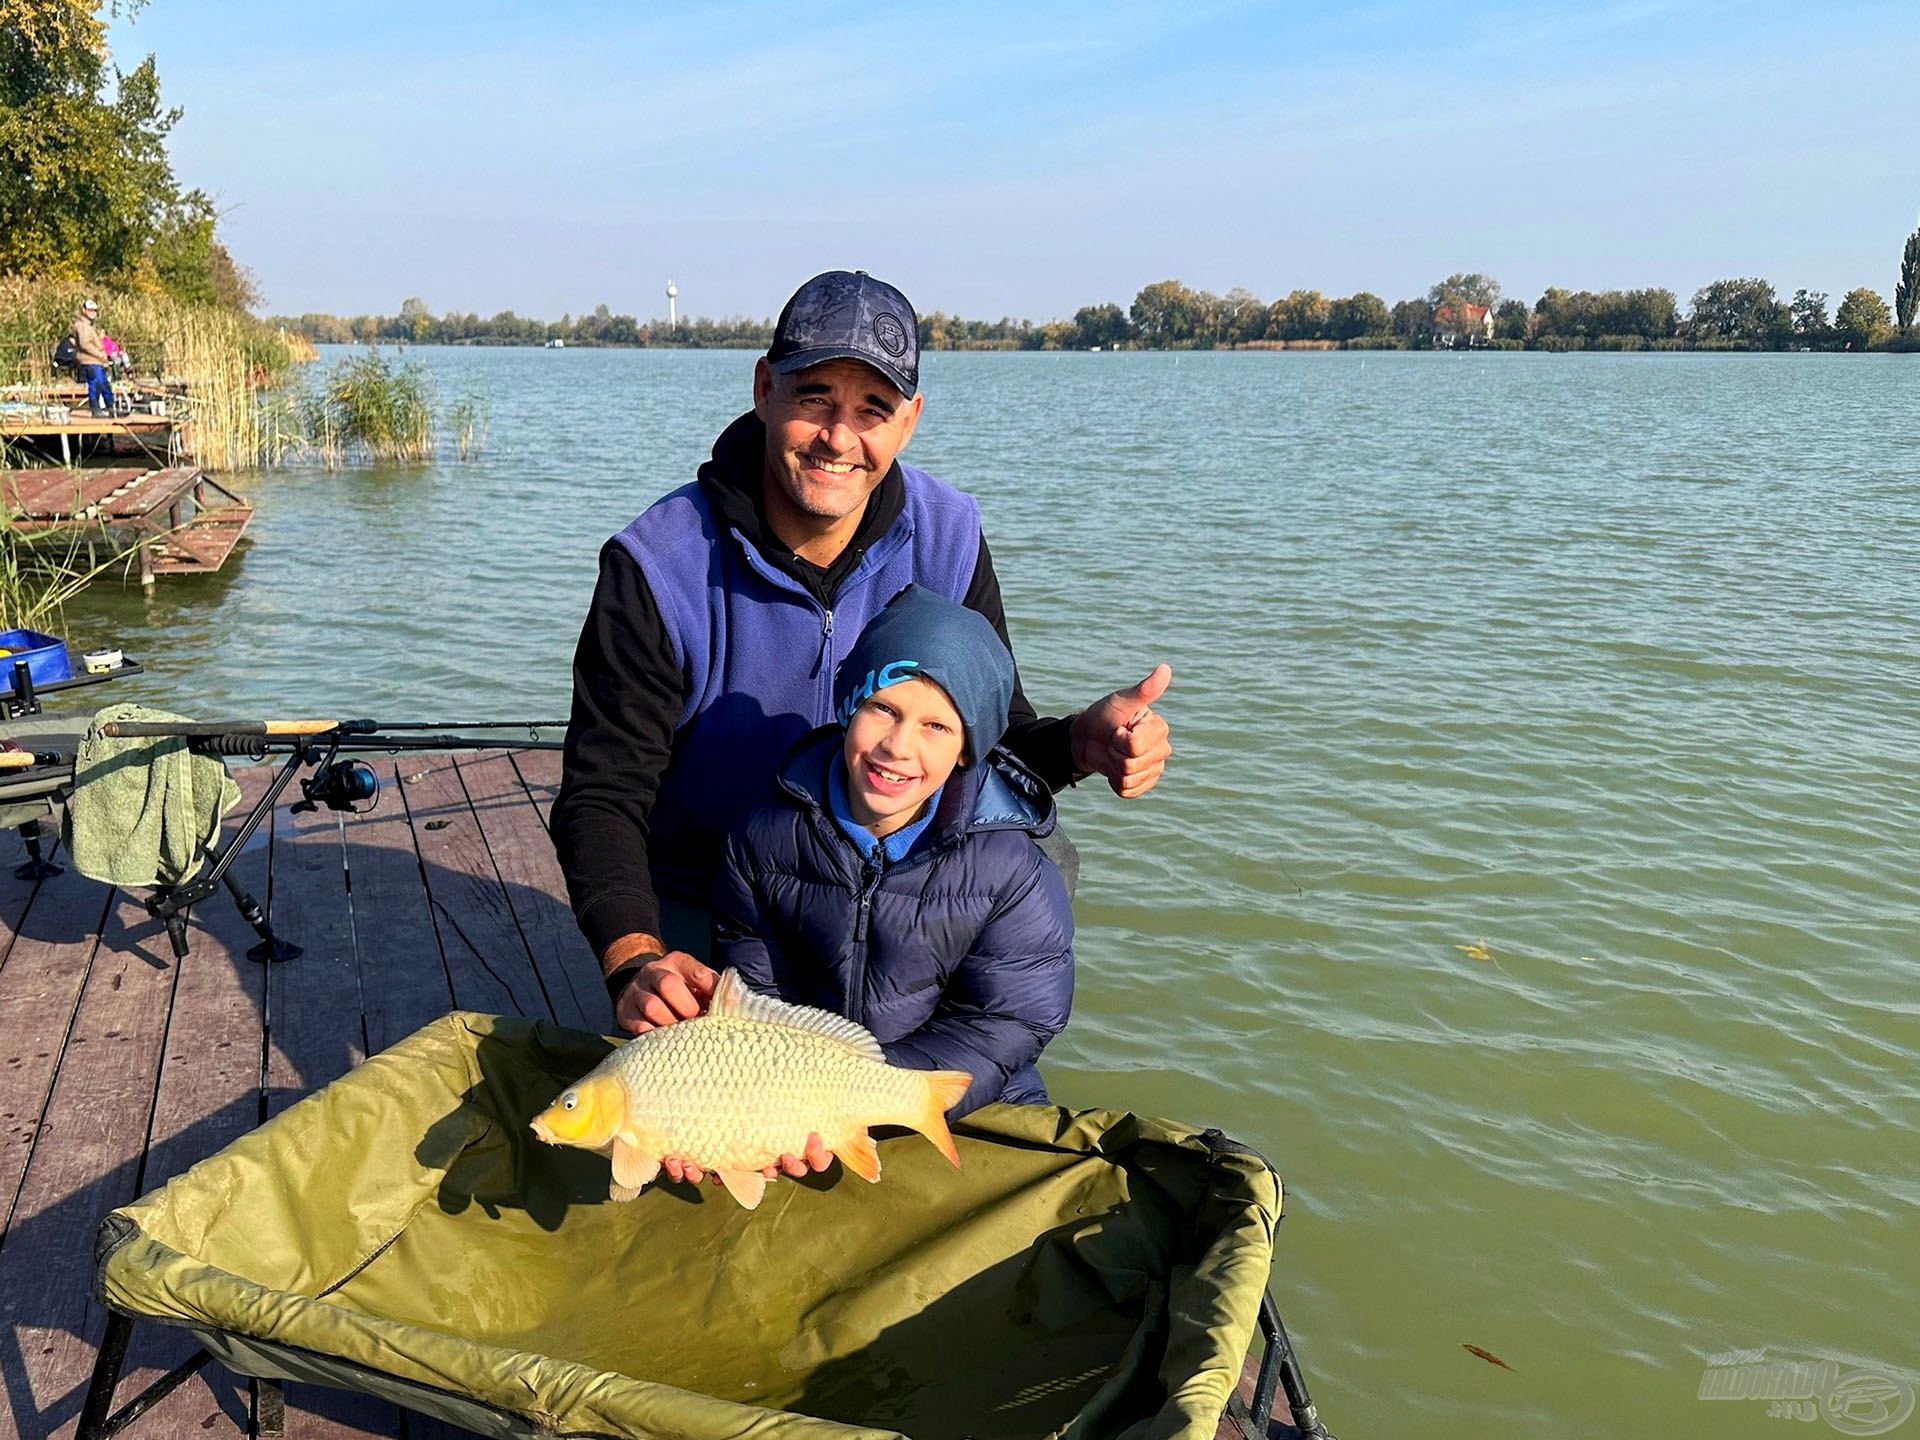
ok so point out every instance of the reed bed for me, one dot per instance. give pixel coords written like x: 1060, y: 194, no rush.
x: 367, y: 409
x: 42, y: 569
x: 224, y: 359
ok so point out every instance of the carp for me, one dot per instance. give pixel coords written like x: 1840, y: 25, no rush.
x: 740, y: 1086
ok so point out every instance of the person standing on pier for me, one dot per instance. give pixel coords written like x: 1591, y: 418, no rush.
x: 90, y: 354
x: 722, y: 612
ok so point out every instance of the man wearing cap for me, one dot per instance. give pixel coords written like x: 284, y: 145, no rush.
x: 722, y: 613
x: 90, y: 354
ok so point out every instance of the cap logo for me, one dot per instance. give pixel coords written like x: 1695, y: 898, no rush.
x: 890, y: 674
x: 891, y: 334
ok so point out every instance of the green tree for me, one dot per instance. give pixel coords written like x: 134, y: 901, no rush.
x: 1746, y: 311
x: 86, y: 185
x: 1102, y: 325
x: 192, y: 265
x: 1472, y: 288
x: 1413, y: 320
x: 1809, y: 311
x: 1862, y: 319
x: 1242, y: 317
x: 1357, y: 315
x: 1166, y: 314
x: 1510, y: 320
x: 1302, y: 315
x: 1906, y: 293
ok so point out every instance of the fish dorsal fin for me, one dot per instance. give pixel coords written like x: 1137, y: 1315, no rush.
x: 732, y: 997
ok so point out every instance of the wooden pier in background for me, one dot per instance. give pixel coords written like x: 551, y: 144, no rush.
x: 183, y: 522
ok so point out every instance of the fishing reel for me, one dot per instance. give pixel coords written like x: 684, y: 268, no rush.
x: 340, y: 785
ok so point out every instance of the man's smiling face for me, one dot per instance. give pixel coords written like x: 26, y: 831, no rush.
x: 832, y: 432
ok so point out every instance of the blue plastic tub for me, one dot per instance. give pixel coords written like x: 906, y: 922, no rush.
x: 46, y: 657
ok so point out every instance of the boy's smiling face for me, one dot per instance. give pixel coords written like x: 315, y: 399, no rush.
x: 901, y: 745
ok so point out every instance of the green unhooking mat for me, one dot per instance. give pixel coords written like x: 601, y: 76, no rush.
x: 402, y: 1232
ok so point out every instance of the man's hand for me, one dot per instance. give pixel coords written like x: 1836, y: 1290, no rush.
x: 1123, y: 738
x: 668, y: 988
x: 817, y: 1158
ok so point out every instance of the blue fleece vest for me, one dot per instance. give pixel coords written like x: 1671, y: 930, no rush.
x: 758, y: 652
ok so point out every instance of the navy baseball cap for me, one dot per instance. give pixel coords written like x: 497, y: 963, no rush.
x: 849, y: 315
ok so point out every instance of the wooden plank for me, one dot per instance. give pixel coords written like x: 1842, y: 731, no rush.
x: 120, y: 425
x: 160, y: 487
x: 540, y: 773
x: 205, y: 542
x: 15, y: 893
x: 316, y: 1034
x: 208, y: 1096
x: 403, y: 978
x: 85, y: 1160
x: 49, y: 494
x: 523, y: 854
x: 487, y: 960
x: 40, y: 984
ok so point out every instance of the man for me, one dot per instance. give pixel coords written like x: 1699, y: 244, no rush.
x: 90, y: 354
x: 722, y: 613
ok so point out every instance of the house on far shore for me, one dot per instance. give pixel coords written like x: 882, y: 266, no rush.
x: 1454, y: 332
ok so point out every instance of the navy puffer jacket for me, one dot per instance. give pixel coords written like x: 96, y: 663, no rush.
x: 957, y: 957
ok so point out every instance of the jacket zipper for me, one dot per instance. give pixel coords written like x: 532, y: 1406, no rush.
x: 872, y: 870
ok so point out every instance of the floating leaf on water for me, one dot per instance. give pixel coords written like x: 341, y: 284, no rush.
x: 1476, y: 951
x: 1486, y: 1355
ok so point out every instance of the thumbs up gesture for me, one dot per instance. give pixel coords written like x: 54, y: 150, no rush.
x: 1123, y: 738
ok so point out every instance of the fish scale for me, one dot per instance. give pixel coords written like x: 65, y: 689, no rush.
x: 745, y: 1093
x: 735, y: 1089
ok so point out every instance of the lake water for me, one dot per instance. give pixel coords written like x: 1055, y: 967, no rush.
x: 1534, y: 880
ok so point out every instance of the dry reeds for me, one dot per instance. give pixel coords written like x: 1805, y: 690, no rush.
x: 221, y: 358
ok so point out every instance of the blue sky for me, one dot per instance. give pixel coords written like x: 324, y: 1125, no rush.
x: 1027, y: 159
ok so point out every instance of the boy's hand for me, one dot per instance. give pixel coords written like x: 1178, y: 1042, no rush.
x: 667, y: 989
x: 1123, y: 738
x: 817, y: 1159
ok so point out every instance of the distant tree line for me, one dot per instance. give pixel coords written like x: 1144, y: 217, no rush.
x: 1460, y: 311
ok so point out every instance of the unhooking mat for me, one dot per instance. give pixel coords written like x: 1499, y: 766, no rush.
x: 402, y: 1232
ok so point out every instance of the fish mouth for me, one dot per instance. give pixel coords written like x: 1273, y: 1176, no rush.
x: 540, y: 1128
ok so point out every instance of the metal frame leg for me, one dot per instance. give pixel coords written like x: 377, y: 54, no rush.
x: 96, y: 1423
x: 37, y: 866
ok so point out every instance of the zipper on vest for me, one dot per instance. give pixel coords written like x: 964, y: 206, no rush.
x: 826, y: 641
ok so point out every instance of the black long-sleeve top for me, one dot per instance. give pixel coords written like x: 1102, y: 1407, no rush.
x: 629, y: 692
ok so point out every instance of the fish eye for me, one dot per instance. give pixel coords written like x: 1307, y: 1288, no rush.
x: 569, y: 1100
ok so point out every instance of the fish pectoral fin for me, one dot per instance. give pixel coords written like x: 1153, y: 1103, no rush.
x: 859, y: 1154
x: 633, y: 1170
x: 622, y: 1193
x: 746, y: 1186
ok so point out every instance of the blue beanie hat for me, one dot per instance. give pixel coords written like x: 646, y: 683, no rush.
x: 924, y: 634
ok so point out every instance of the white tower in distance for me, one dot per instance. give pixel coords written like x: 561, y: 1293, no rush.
x: 673, y: 293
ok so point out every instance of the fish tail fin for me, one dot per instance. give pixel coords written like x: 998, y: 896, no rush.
x: 943, y: 1092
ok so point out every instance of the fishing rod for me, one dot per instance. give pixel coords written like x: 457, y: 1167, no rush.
x: 212, y: 729
x: 345, y: 786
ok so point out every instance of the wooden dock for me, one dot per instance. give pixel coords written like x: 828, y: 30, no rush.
x: 119, y: 1067
x: 184, y: 522
x: 159, y: 436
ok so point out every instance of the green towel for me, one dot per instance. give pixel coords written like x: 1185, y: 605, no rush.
x: 142, y: 809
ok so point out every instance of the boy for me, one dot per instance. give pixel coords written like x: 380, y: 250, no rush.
x: 895, y: 878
